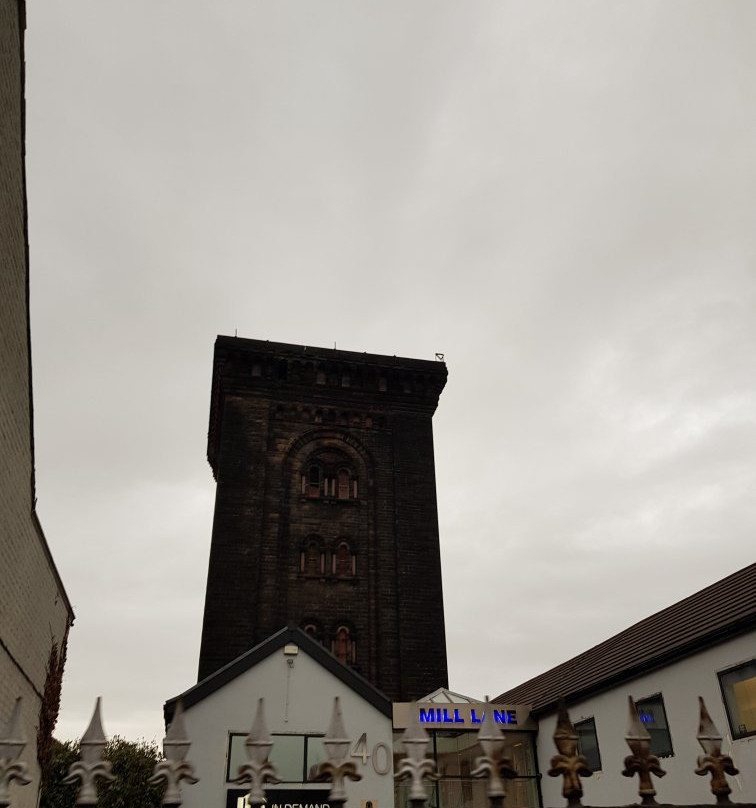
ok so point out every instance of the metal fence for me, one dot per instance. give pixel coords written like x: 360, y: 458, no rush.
x: 493, y: 768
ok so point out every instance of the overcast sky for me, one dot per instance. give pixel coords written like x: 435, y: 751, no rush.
x: 560, y: 197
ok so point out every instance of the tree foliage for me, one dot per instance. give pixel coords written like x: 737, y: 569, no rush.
x: 133, y: 764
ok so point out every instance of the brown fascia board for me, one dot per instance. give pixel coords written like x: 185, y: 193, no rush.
x: 250, y: 658
x: 634, y: 671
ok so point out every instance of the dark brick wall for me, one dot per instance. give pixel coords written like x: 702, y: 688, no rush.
x: 274, y: 407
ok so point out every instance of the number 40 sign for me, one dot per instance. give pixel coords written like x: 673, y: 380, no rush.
x: 380, y: 756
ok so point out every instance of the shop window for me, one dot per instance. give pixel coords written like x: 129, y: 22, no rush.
x: 739, y: 692
x: 588, y: 743
x: 654, y: 718
x: 343, y: 562
x: 294, y: 756
x: 343, y: 646
x: 456, y: 754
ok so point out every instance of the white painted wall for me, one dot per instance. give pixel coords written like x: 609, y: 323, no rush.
x: 680, y: 684
x: 308, y: 690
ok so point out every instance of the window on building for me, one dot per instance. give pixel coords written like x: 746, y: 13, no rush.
x: 312, y: 559
x: 654, y: 718
x: 344, y: 487
x: 294, y: 756
x: 313, y: 481
x: 456, y: 755
x: 588, y: 743
x: 327, y: 475
x: 739, y: 692
x: 343, y: 561
x: 343, y: 646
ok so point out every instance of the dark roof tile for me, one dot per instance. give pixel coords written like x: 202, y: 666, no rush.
x: 722, y: 610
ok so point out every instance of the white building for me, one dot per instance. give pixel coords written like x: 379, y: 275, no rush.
x: 703, y: 646
x: 299, y: 680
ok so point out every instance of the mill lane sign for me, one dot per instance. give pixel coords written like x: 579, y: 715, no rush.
x: 464, y: 715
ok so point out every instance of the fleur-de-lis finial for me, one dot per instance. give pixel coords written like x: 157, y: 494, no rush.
x: 713, y: 761
x: 174, y: 768
x: 493, y: 765
x: 337, y: 768
x: 258, y: 770
x: 91, y: 765
x: 641, y: 762
x: 416, y: 765
x: 12, y: 744
x: 568, y: 763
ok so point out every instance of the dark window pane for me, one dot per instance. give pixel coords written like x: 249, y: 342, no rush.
x: 654, y: 719
x: 588, y: 743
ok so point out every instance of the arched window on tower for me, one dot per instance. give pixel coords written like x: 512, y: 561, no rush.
x: 342, y: 561
x: 344, y: 480
x: 312, y: 630
x: 312, y: 559
x: 328, y: 475
x: 343, y: 646
x: 311, y: 482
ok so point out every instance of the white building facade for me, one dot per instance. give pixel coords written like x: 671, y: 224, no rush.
x: 298, y: 680
x: 702, y: 646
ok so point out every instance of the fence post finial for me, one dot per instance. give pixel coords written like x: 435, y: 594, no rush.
x: 416, y: 765
x: 174, y: 768
x: 91, y: 765
x: 492, y: 764
x: 641, y: 762
x: 337, y: 768
x: 713, y: 761
x: 12, y: 743
x: 569, y: 763
x: 258, y: 770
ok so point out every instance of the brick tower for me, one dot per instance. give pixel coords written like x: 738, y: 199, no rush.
x: 325, y: 509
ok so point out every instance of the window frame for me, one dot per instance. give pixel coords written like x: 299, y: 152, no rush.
x: 578, y: 725
x: 735, y: 734
x: 657, y: 700
x: 307, y: 737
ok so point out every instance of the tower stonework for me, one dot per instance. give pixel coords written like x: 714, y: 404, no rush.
x: 325, y: 509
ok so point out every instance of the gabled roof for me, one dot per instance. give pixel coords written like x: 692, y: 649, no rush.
x: 443, y: 695
x: 722, y: 610
x: 250, y: 658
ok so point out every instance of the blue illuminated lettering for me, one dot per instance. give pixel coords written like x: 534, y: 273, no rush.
x: 426, y: 715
